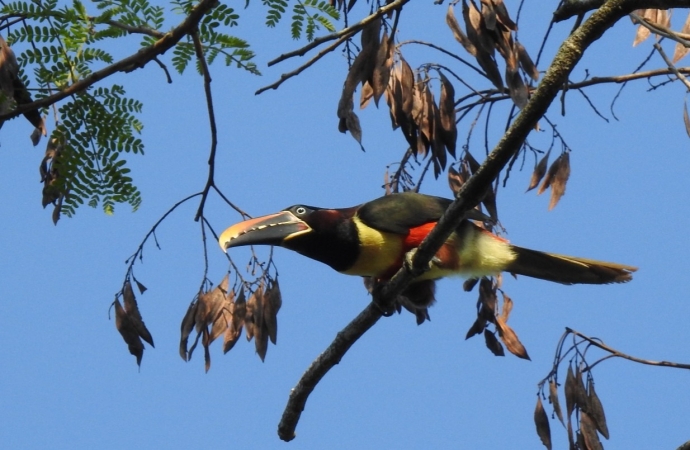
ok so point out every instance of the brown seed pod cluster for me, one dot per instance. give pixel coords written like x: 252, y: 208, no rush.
x: 224, y: 312
x: 582, y: 404
x: 489, y: 28
x: 488, y: 313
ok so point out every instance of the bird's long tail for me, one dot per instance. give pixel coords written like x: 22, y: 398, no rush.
x: 567, y: 269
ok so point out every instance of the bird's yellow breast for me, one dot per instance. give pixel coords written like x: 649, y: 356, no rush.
x: 378, y: 251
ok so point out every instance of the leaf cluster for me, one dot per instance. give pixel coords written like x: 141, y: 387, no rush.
x: 308, y: 16
x: 225, y: 312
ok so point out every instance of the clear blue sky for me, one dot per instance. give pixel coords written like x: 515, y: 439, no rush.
x: 67, y: 380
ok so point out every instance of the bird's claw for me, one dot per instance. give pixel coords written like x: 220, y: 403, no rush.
x: 409, y: 258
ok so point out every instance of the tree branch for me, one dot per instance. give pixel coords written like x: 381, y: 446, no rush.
x: 618, y: 354
x: 571, y: 8
x: 470, y: 194
x: 128, y: 64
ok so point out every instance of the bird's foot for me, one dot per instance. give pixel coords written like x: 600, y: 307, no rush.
x: 376, y: 289
x: 409, y: 258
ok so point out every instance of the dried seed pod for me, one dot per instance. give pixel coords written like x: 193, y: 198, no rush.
x: 559, y: 180
x: 458, y: 33
x: 589, y: 432
x: 128, y: 332
x: 525, y: 61
x: 446, y: 108
x: 510, y: 339
x: 134, y: 315
x: 493, y: 344
x: 539, y: 171
x: 596, y: 410
x: 553, y: 399
x: 186, y: 328
x: 541, y: 420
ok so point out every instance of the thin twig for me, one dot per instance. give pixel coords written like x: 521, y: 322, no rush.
x: 344, y: 33
x: 672, y: 66
x: 303, y: 67
x: 212, y: 122
x: 615, y: 352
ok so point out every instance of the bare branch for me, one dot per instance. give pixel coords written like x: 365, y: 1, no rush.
x: 671, y: 66
x: 212, y: 122
x: 618, y: 354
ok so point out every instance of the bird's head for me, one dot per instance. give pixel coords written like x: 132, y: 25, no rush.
x: 326, y: 235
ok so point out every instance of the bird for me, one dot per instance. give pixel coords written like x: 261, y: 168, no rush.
x: 373, y: 239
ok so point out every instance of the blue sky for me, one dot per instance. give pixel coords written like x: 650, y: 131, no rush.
x: 67, y: 380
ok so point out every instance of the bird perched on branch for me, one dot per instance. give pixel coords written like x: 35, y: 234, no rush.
x: 373, y: 239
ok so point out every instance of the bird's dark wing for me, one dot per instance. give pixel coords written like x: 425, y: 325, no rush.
x: 398, y: 213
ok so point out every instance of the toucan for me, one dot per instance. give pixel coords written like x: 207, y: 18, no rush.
x: 373, y: 239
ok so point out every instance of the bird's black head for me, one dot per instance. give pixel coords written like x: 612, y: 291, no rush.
x: 326, y: 235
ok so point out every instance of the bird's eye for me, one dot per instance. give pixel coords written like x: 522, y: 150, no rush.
x: 300, y: 210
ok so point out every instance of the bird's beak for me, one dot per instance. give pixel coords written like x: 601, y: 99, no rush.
x: 272, y: 229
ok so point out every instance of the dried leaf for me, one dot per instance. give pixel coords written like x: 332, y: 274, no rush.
x: 596, y: 410
x: 589, y: 432
x: 446, y: 108
x: 458, y: 33
x: 580, y: 392
x: 366, y: 94
x: 140, y: 286
x: 482, y: 41
x: 223, y: 319
x: 642, y: 31
x: 686, y: 118
x: 469, y: 284
x: 503, y: 16
x: 186, y: 328
x: 382, y: 68
x: 476, y: 30
x: 360, y: 71
x: 510, y: 339
x: 507, y: 307
x: 539, y: 171
x: 487, y: 297
x: 488, y: 14
x: 477, y: 327
x: 516, y: 87
x: 455, y: 180
x: 132, y: 309
x: 525, y: 61
x: 207, y: 353
x: 682, y: 50
x: 553, y: 399
x: 541, y: 420
x: 493, y: 344
x: 559, y: 180
x: 232, y: 334
x: 250, y: 319
x: 272, y: 303
x: 129, y: 333
x: 570, y: 392
x: 203, y: 310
